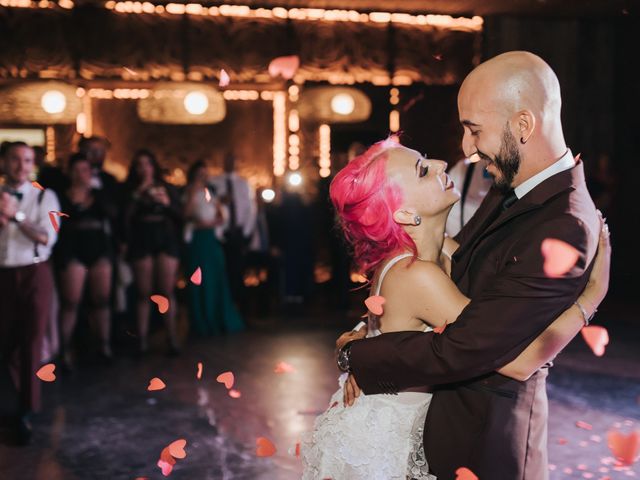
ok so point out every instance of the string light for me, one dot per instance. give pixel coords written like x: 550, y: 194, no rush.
x: 394, y: 121
x: 325, y: 150
x: 279, y: 133
x: 307, y: 14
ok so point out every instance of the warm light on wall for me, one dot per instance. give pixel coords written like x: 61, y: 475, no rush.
x: 325, y: 150
x: 81, y: 123
x: 66, y: 4
x: 308, y: 14
x: 294, y: 121
x: 279, y: 133
x: 394, y: 96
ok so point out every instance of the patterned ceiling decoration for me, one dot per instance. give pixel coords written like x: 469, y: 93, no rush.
x: 93, y: 43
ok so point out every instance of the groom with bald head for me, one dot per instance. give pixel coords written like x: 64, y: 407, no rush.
x: 509, y: 107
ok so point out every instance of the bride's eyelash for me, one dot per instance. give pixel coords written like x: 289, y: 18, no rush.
x: 424, y: 169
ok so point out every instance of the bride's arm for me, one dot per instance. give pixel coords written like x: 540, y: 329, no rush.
x: 550, y: 342
x: 437, y: 300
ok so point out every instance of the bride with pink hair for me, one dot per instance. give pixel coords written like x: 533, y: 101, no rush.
x: 392, y: 205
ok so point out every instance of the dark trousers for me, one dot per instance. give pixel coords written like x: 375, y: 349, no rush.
x: 25, y: 306
x: 235, y: 249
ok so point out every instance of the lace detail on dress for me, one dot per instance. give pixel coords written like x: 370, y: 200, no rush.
x: 375, y: 439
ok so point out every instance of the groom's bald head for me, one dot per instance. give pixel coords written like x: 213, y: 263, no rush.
x: 510, y: 109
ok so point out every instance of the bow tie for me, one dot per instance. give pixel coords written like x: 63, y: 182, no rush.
x: 16, y: 194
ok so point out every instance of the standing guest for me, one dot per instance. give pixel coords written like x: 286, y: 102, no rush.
x: 212, y: 309
x: 152, y: 223
x: 238, y: 196
x: 26, y: 238
x: 84, y: 255
x: 473, y: 181
x: 95, y: 149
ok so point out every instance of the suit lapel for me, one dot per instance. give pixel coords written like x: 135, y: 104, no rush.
x: 494, y: 218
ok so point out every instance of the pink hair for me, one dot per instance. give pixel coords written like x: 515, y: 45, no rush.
x: 365, y: 200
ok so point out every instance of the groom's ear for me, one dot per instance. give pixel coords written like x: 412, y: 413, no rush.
x: 404, y: 217
x: 526, y: 125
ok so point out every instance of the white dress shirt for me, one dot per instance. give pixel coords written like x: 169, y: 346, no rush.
x: 18, y: 250
x: 565, y: 163
x: 243, y: 198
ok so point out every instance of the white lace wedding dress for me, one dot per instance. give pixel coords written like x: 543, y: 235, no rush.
x: 378, y: 438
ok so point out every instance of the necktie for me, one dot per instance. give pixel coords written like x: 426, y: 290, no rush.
x: 509, y: 199
x: 232, y: 204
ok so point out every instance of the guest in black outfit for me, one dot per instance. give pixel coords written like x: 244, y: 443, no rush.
x: 152, y: 226
x: 84, y: 255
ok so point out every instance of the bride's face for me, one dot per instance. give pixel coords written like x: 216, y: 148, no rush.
x: 427, y: 189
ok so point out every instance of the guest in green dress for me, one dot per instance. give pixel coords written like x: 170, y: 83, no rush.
x: 211, y: 307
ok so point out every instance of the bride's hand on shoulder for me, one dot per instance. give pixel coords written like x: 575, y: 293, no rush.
x: 598, y: 283
x: 350, y: 336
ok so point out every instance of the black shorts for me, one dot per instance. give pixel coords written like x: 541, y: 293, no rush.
x: 149, y: 239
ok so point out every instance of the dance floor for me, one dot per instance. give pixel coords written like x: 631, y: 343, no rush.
x: 101, y: 423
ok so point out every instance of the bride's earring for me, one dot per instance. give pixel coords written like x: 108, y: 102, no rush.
x: 417, y: 220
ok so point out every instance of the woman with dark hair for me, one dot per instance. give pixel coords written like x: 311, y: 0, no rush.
x: 83, y: 256
x: 211, y: 306
x: 152, y: 222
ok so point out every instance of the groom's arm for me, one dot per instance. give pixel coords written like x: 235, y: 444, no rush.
x: 514, y: 308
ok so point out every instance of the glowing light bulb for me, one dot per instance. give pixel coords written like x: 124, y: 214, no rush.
x: 268, y: 195
x: 53, y: 101
x: 295, y: 179
x: 196, y: 103
x: 343, y: 104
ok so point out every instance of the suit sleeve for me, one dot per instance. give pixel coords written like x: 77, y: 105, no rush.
x: 516, y: 305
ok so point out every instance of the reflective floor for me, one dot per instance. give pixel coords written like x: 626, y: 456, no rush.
x: 102, y: 423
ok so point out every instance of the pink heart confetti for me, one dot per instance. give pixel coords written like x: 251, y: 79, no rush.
x: 284, y: 367
x: 224, y: 78
x: 199, y: 374
x: 46, y: 373
x: 584, y: 425
x: 176, y: 449
x: 227, y: 378
x: 375, y: 303
x: 264, y: 447
x: 597, y: 338
x: 156, y: 384
x: 54, y: 221
x: 162, y: 302
x: 625, y: 448
x: 37, y: 185
x: 196, y: 277
x: 464, y: 473
x: 286, y: 66
x: 559, y: 257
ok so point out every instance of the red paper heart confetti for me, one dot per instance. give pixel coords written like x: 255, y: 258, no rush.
x: 284, y: 367
x: 199, y: 374
x: 597, y: 338
x: 46, y: 373
x: 464, y: 473
x: 285, y: 66
x: 162, y: 302
x: 166, y: 456
x: 224, y: 78
x: 54, y: 221
x: 375, y: 303
x: 37, y: 185
x: 295, y: 450
x: 439, y: 330
x: 234, y: 393
x: 625, y: 448
x: 559, y: 257
x: 196, y: 277
x: 264, y: 447
x: 584, y: 425
x: 156, y: 384
x: 207, y: 194
x: 176, y: 449
x: 227, y: 378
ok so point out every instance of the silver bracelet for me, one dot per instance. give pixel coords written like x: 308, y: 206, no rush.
x: 587, y: 318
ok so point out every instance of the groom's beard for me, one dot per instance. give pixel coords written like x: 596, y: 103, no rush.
x: 507, y: 161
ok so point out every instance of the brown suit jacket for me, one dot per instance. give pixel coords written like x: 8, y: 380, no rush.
x: 479, y: 419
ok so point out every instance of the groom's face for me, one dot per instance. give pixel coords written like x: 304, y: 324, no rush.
x: 487, y: 134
